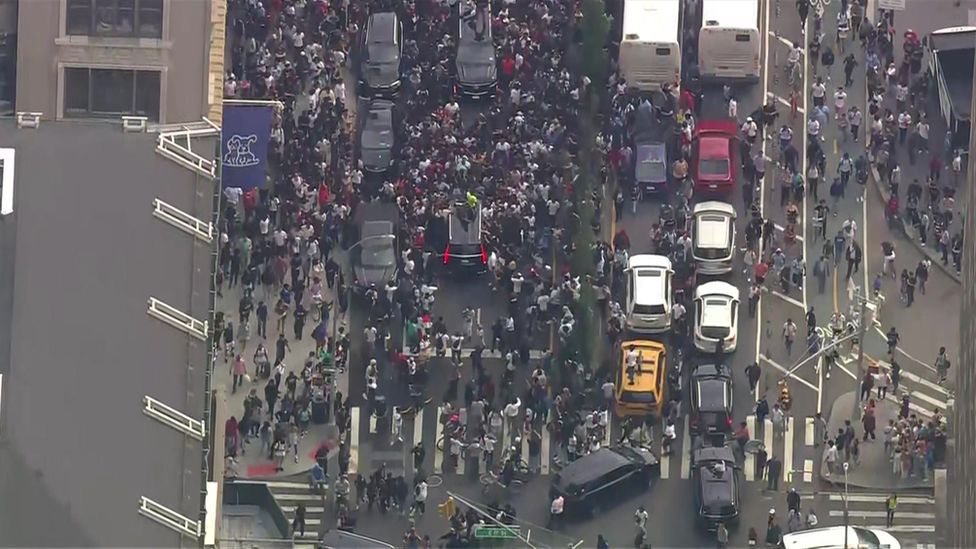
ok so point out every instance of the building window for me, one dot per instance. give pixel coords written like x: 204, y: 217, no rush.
x: 111, y: 93
x: 125, y: 18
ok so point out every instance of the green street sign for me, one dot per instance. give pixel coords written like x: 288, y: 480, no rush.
x: 496, y: 532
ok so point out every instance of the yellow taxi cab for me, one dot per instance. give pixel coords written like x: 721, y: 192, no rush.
x: 641, y: 379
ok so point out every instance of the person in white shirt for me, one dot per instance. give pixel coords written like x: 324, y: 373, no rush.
x: 819, y: 92
x: 813, y: 129
x: 840, y: 100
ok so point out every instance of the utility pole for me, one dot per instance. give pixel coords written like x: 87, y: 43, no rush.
x: 865, y: 306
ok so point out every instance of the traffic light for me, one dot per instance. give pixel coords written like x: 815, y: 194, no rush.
x: 447, y: 509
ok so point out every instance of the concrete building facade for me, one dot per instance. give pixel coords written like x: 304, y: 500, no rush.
x: 112, y: 58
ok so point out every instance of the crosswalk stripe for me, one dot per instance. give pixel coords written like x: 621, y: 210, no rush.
x: 439, y: 455
x: 686, y: 450
x: 308, y: 496
x: 354, y: 440
x: 881, y: 498
x: 768, y: 436
x: 372, y: 424
x: 788, y: 451
x: 882, y: 514
x: 461, y: 462
x: 808, y: 470
x: 289, y: 509
x: 665, y: 466
x: 922, y: 381
x: 911, y: 406
x: 936, y: 403
x: 272, y: 484
x: 750, y: 461
x: 808, y: 431
x: 905, y: 528
x: 418, y: 427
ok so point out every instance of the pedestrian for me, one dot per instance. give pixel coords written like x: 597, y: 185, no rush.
x: 819, y: 429
x: 830, y: 457
x: 298, y: 524
x: 867, y: 383
x: 793, y: 500
x: 942, y: 365
x: 239, y: 372
x: 753, y: 372
x: 761, y: 457
x: 774, y: 468
x: 868, y: 421
x: 789, y: 335
x: 891, y: 503
x: 895, y: 376
x: 821, y: 269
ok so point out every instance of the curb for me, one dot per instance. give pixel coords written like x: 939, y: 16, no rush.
x: 900, y: 223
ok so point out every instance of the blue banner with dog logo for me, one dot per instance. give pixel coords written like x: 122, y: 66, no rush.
x: 245, y: 135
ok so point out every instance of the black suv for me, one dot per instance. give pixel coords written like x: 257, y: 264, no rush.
x: 716, y: 486
x: 379, y: 72
x: 711, y: 400
x: 603, y: 478
x: 459, y: 240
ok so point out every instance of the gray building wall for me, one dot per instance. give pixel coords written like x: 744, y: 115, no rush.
x: 181, y: 55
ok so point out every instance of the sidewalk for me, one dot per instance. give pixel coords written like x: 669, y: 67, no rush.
x: 874, y: 469
x: 920, y: 171
x: 253, y: 464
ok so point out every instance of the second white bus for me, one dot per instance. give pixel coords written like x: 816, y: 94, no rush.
x: 650, y: 49
x: 729, y: 43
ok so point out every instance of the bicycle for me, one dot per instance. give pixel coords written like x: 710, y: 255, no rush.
x: 491, y: 478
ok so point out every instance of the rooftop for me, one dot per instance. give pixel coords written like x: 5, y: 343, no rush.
x: 81, y: 255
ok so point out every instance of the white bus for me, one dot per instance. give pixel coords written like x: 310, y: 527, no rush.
x: 729, y: 43
x: 650, y: 48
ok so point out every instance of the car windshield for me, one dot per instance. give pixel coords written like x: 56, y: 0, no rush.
x: 651, y: 170
x: 867, y: 538
x: 378, y: 139
x: 478, y: 54
x: 714, y: 167
x: 382, y: 54
x: 378, y: 256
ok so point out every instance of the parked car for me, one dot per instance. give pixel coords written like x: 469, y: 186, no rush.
x: 715, y: 481
x: 711, y: 399
x: 714, y: 157
x: 603, y: 478
x: 716, y: 316
x: 377, y: 136
x: 379, y: 71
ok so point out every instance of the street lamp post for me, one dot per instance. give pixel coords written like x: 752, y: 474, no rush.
x: 847, y: 517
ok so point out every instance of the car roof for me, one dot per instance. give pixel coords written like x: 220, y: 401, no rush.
x: 382, y: 19
x: 649, y: 260
x: 467, y: 35
x: 457, y: 233
x: 376, y: 228
x: 714, y: 453
x: 649, y: 289
x: 651, y: 353
x: 713, y: 146
x: 377, y: 211
x: 716, y: 287
x: 716, y: 206
x: 591, y: 466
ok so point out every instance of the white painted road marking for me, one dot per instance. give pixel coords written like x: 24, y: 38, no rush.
x: 788, y: 451
x: 750, y: 461
x: 808, y: 430
x: 439, y: 455
x: 354, y: 440
x: 686, y: 450
x: 779, y: 367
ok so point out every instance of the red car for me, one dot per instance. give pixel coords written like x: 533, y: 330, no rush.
x: 713, y: 156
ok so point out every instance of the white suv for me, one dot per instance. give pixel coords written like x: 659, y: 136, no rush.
x: 649, y: 293
x: 716, y: 316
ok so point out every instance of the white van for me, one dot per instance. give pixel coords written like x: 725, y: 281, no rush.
x: 649, y: 293
x: 650, y: 48
x: 833, y: 538
x: 713, y: 237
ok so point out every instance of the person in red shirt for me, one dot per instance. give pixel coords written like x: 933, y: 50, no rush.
x: 761, y: 270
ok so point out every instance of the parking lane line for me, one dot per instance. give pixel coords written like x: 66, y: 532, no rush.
x: 750, y: 461
x: 354, y: 427
x: 788, y: 451
x: 686, y: 450
x: 786, y: 298
x: 438, y: 454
